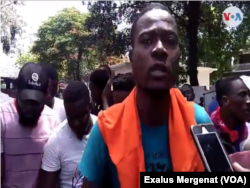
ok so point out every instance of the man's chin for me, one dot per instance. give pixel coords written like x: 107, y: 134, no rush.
x: 28, y: 122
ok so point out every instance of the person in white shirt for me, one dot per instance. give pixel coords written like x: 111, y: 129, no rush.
x: 63, y: 151
x: 53, y: 102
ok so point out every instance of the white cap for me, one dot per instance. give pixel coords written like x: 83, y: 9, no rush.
x: 246, y: 80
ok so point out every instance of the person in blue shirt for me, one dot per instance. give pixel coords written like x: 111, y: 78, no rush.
x: 154, y: 56
x: 96, y: 165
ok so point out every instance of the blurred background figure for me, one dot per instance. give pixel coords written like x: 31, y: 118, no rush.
x: 107, y: 68
x: 98, y: 81
x: 62, y: 84
x: 51, y: 100
x: 188, y: 92
x: 123, y: 84
x: 201, y: 102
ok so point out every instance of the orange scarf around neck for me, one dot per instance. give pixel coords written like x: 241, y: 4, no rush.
x: 121, y: 131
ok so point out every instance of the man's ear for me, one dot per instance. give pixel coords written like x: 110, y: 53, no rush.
x: 224, y: 100
x: 193, y: 96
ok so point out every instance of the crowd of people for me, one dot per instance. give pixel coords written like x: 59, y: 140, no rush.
x: 104, y: 133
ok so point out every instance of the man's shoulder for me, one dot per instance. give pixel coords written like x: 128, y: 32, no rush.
x: 58, y: 101
x: 58, y: 136
x: 201, y: 115
x: 93, y: 118
x: 8, y: 107
x: 111, y: 113
x: 49, y: 112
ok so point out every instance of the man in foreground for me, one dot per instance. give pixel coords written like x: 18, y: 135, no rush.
x: 26, y: 124
x: 53, y: 102
x: 150, y: 130
x: 64, y: 149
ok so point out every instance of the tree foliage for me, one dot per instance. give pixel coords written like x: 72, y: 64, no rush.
x: 103, y: 24
x: 26, y: 57
x: 64, y: 42
x: 203, y: 35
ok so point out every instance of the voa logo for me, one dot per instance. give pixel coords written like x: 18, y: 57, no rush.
x: 232, y: 16
x: 233, y: 179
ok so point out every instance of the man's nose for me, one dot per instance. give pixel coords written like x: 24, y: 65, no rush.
x: 159, y: 51
x: 159, y: 47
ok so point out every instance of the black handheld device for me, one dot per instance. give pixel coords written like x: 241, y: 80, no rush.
x: 210, y: 148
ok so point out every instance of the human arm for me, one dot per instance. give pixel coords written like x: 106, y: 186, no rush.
x: 48, y: 176
x: 201, y: 116
x: 94, y: 160
x: 106, y: 95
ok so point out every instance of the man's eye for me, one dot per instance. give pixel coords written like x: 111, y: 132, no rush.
x: 146, y: 41
x: 243, y: 94
x: 171, y: 41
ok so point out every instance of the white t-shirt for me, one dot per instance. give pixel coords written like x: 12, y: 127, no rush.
x: 63, y: 152
x: 59, y: 109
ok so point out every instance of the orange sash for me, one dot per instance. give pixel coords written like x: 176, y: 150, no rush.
x: 121, y: 131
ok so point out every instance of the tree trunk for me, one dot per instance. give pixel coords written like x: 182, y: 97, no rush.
x: 193, y: 13
x: 78, y: 67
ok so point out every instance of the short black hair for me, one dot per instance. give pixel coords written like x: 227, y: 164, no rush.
x: 106, y: 67
x: 76, y: 91
x: 146, y: 9
x: 123, y: 82
x: 99, y: 78
x: 50, y: 70
x: 222, y: 87
x: 187, y: 85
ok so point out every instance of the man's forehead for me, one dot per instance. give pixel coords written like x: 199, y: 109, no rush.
x: 237, y: 85
x: 151, y: 17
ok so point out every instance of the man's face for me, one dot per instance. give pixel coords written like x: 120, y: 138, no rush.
x: 78, y: 116
x: 238, y: 102
x: 188, y: 93
x: 156, y: 53
x: 29, y: 112
x: 52, y: 90
x: 119, y: 96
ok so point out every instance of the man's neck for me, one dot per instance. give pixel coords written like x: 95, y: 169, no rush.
x: 51, y: 105
x: 152, y: 111
x: 230, y: 121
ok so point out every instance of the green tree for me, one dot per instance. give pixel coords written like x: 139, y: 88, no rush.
x: 26, y: 57
x: 64, y: 42
x: 103, y: 24
x: 203, y: 35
